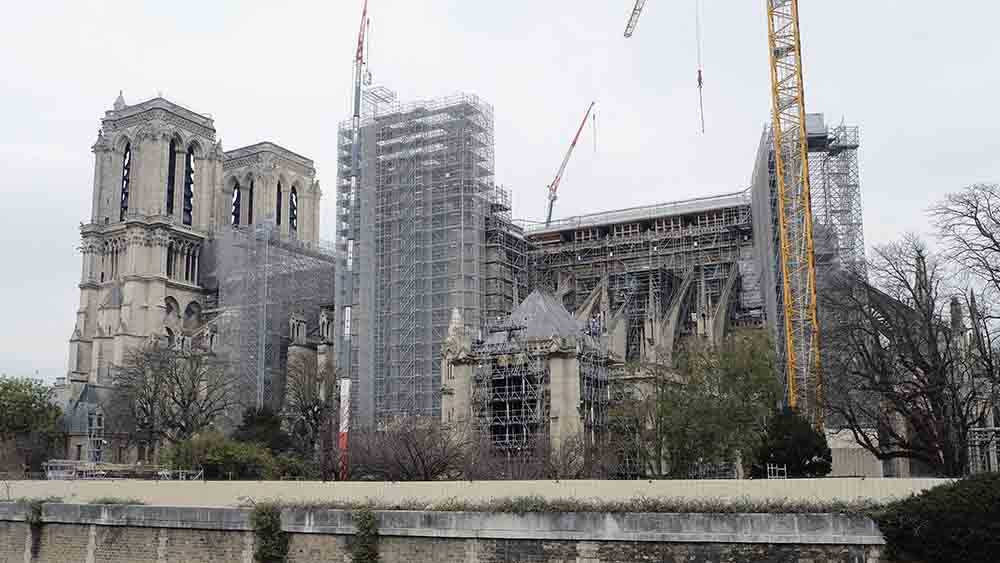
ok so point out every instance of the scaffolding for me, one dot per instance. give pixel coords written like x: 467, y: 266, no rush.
x: 836, y: 201
x: 414, y: 235
x: 640, y: 259
x: 510, y: 393
x: 505, y: 268
x: 837, y: 226
x: 262, y: 278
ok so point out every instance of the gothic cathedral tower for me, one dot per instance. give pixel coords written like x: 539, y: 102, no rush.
x: 162, y: 187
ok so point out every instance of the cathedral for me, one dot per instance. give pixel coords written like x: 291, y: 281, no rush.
x: 163, y: 189
x: 169, y: 204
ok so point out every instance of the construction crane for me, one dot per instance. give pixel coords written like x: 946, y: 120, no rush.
x: 359, y: 78
x: 554, y: 186
x: 632, y: 21
x: 803, y: 374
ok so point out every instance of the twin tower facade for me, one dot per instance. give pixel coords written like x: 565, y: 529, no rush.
x: 163, y: 190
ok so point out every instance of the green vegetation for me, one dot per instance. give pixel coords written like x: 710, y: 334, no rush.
x: 28, y: 421
x: 532, y: 504
x: 263, y: 427
x: 364, y: 544
x: 955, y: 522
x: 712, y: 406
x: 222, y: 458
x: 34, y: 518
x: 226, y: 458
x: 272, y: 542
x: 117, y: 500
x: 791, y: 441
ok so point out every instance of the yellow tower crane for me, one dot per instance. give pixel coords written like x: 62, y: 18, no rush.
x: 803, y: 375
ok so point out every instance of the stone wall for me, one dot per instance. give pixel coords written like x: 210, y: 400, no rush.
x: 154, y: 534
x: 232, y: 493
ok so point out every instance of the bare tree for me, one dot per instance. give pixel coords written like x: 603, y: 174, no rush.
x: 312, y: 405
x: 171, y: 394
x: 905, y: 372
x: 484, y: 461
x: 408, y: 449
x: 968, y: 224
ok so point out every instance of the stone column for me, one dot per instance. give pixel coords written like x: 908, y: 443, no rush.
x: 153, y: 180
x: 102, y: 163
x: 316, y: 200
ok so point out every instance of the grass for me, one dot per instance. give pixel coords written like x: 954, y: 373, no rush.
x: 116, y: 500
x: 34, y: 500
x: 535, y: 504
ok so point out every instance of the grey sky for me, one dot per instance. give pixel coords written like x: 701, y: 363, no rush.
x: 921, y: 80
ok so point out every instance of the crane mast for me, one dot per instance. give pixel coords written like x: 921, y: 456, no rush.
x: 803, y: 377
x: 344, y: 353
x: 554, y: 186
x: 800, y: 323
x: 634, y: 19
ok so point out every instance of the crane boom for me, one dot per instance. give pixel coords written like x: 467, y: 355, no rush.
x: 554, y: 186
x: 632, y: 21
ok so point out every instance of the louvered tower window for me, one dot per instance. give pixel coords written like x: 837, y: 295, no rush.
x: 171, y: 169
x: 126, y: 168
x: 189, y: 186
x: 278, y: 210
x: 236, y: 203
x: 250, y: 203
x: 293, y: 211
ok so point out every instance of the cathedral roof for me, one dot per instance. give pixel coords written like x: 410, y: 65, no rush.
x: 238, y: 157
x: 542, y: 316
x: 202, y: 122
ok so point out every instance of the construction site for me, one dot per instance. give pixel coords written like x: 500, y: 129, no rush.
x: 425, y: 232
x: 429, y: 251
x: 262, y: 280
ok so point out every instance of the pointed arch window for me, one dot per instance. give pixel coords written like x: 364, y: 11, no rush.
x: 277, y: 214
x: 293, y: 211
x: 189, y: 186
x: 171, y: 173
x: 126, y: 170
x: 236, y: 203
x: 250, y: 203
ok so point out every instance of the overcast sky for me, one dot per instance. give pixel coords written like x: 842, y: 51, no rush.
x: 921, y: 80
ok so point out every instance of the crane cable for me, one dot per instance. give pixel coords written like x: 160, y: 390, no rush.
x: 701, y: 81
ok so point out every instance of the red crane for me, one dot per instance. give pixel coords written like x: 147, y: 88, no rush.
x: 554, y: 186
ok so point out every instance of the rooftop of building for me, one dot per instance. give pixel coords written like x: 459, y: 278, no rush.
x: 540, y: 316
x: 122, y: 110
x: 642, y: 213
x: 268, y: 147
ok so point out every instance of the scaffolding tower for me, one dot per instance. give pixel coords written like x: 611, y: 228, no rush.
x: 415, y: 237
x: 262, y: 278
x: 505, y: 269
x: 837, y: 227
x: 511, y: 402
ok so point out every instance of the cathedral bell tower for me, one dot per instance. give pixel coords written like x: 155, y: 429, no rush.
x: 156, y: 168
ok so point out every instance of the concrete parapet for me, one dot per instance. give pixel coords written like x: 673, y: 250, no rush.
x: 232, y: 493
x: 811, y: 529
